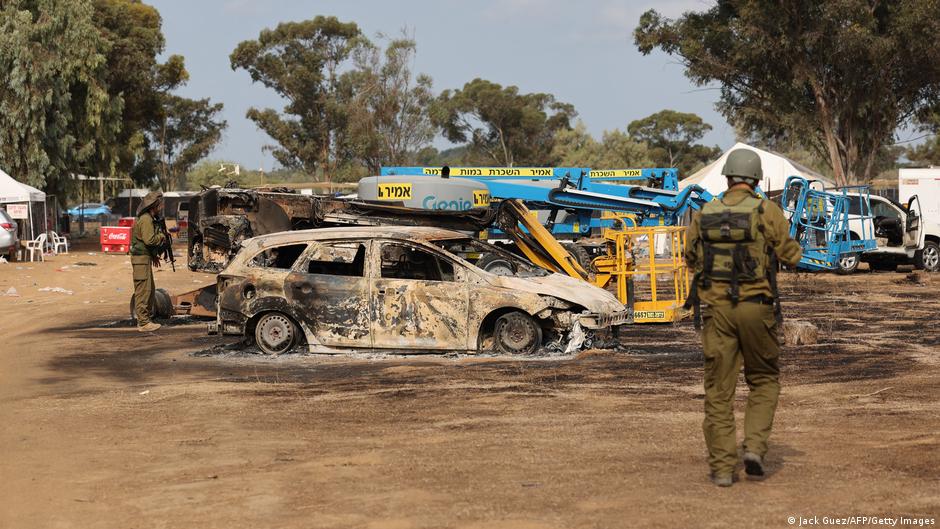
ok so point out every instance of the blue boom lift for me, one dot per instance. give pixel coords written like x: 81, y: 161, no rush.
x: 820, y: 221
x: 581, y: 194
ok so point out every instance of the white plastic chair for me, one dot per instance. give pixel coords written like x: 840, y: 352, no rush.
x: 36, y: 245
x: 58, y: 241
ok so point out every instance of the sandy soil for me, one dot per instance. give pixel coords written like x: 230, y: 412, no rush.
x: 103, y: 427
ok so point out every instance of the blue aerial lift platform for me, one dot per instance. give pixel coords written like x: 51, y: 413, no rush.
x: 821, y: 220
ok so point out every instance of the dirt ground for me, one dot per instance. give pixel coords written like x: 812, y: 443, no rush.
x: 104, y: 427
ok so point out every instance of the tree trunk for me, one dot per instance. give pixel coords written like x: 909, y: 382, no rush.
x: 832, y: 143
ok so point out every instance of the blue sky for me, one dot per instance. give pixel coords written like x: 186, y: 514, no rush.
x: 582, y: 52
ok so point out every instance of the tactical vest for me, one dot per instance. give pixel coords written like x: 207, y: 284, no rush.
x: 734, y: 248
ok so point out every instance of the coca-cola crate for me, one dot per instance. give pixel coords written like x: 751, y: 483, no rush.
x: 115, y: 239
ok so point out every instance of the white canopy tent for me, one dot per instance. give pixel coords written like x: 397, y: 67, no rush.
x: 13, y: 192
x: 776, y: 170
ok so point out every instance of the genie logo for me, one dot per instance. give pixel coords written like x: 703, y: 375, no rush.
x: 460, y: 204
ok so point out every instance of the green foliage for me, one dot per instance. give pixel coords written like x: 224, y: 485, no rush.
x: 456, y: 156
x: 616, y: 150
x: 81, y: 91
x: 300, y: 61
x: 190, y: 130
x: 839, y: 77
x: 500, y: 124
x: 388, y: 107
x: 55, y: 111
x: 925, y: 154
x: 928, y: 152
x: 672, y: 136
x: 133, y: 31
x: 207, y: 173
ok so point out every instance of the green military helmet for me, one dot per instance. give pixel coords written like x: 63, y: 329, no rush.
x: 152, y: 198
x: 743, y: 165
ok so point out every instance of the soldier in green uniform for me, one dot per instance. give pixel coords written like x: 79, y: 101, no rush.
x: 146, y: 244
x: 734, y: 245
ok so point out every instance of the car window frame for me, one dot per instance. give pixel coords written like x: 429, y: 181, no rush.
x: 901, y: 214
x: 302, y: 264
x: 461, y: 273
x: 248, y: 264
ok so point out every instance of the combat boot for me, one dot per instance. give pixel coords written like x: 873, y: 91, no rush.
x: 722, y: 481
x: 753, y: 466
x: 150, y: 327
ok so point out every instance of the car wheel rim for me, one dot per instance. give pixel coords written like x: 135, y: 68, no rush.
x: 517, y: 334
x: 276, y: 333
x: 848, y: 262
x: 931, y: 258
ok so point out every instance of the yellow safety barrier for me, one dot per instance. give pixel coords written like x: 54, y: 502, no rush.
x: 647, y: 268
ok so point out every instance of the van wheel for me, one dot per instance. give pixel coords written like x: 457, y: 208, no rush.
x: 928, y: 259
x: 848, y: 263
x: 517, y: 333
x: 275, y: 333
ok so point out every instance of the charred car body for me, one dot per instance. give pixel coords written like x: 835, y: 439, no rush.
x: 401, y: 288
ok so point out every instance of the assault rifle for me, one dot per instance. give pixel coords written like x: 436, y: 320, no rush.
x: 166, y: 251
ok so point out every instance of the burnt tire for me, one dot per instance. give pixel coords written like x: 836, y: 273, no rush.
x: 928, y: 259
x: 162, y: 307
x: 848, y: 263
x: 276, y: 333
x: 495, y: 264
x: 517, y: 333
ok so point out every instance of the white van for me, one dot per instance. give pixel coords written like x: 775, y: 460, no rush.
x: 903, y: 234
x: 925, y: 183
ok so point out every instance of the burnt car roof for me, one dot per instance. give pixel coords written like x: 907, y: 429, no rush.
x: 412, y: 233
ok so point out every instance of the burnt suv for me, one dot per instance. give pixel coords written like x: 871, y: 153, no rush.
x: 407, y: 289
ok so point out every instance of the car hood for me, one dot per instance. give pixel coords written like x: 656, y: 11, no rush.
x: 563, y: 287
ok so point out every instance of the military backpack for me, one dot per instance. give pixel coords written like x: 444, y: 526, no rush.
x: 734, y: 250
x: 734, y: 247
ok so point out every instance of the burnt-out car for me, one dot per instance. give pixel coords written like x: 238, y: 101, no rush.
x: 404, y: 289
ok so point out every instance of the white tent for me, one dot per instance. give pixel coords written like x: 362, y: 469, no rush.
x: 13, y: 192
x: 776, y: 170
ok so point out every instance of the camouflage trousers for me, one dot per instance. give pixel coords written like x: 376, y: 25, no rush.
x: 745, y: 333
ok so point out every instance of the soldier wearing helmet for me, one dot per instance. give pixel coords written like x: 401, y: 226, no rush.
x: 734, y: 245
x: 146, y: 244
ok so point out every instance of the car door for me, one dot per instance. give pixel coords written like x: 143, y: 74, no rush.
x: 264, y: 277
x: 420, y: 299
x: 913, y: 226
x: 330, y: 289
